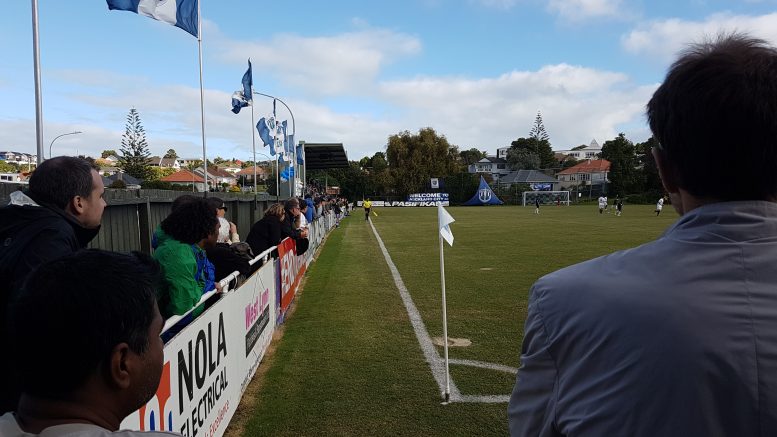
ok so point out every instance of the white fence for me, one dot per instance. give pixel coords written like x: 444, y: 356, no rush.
x: 208, y: 365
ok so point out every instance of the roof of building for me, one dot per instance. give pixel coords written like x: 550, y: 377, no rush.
x: 493, y: 160
x: 249, y: 171
x: 129, y: 180
x: 183, y: 176
x: 215, y: 171
x: 525, y: 177
x: 590, y: 166
x: 321, y: 156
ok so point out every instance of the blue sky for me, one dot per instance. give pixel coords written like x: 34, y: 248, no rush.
x: 354, y: 72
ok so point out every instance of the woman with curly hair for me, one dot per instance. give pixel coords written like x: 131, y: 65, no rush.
x: 186, y: 232
x: 266, y: 233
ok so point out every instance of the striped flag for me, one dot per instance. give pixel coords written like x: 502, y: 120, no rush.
x: 179, y: 13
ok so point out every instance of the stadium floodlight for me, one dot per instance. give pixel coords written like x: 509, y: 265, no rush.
x: 546, y: 197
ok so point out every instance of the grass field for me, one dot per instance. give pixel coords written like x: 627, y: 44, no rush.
x: 349, y: 362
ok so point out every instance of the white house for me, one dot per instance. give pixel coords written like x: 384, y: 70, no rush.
x: 18, y: 157
x: 497, y: 167
x: 591, y: 151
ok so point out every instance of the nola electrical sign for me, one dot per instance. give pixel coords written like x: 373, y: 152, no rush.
x: 209, y: 364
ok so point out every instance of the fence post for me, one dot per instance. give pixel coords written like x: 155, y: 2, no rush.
x: 144, y: 225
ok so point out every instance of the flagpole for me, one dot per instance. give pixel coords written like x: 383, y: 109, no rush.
x: 202, y: 100
x: 444, y: 321
x: 293, y: 133
x: 36, y: 68
x: 253, y: 140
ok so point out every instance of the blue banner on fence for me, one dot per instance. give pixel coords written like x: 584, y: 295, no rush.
x: 427, y: 197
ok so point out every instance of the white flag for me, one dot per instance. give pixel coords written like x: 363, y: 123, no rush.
x: 445, y: 220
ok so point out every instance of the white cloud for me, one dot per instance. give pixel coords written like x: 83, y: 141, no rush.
x: 579, y: 10
x: 664, y: 38
x: 577, y: 104
x: 324, y: 65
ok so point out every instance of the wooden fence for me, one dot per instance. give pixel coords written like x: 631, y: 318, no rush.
x: 131, y: 216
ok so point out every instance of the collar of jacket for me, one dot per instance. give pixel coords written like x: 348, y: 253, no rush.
x: 83, y: 235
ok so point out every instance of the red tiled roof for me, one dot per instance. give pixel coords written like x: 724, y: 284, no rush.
x: 183, y: 176
x: 593, y: 166
x: 249, y: 171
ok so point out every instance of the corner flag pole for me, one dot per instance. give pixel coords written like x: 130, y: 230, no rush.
x: 447, y: 393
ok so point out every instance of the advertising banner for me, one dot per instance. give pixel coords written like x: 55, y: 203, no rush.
x: 428, y: 197
x: 291, y: 268
x: 208, y: 365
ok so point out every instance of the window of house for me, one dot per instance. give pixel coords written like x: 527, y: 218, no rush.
x: 500, y: 166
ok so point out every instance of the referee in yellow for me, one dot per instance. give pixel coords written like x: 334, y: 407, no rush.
x: 367, y: 206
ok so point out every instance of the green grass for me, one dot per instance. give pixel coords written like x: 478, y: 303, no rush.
x: 349, y: 362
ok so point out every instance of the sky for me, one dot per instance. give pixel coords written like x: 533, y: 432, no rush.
x: 352, y: 72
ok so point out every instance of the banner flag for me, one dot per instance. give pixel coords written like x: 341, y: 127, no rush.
x: 300, y: 154
x: 445, y: 219
x: 265, y: 126
x: 238, y: 101
x: 241, y: 99
x: 484, y: 196
x: 180, y: 13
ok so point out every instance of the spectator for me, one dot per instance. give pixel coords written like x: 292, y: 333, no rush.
x: 266, y: 233
x: 227, y: 230
x: 684, y: 343
x: 180, y: 200
x: 288, y: 229
x: 103, y: 340
x: 59, y: 215
x: 186, y: 232
x: 302, y: 220
x: 310, y: 211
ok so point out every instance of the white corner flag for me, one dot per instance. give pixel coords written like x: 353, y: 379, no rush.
x: 445, y: 220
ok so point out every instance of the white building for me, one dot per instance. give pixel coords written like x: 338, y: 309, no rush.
x: 592, y: 151
x: 497, y: 167
x: 18, y: 157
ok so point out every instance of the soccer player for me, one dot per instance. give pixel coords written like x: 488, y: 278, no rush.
x: 659, y: 205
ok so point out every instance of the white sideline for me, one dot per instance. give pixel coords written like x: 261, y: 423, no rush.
x: 436, y: 363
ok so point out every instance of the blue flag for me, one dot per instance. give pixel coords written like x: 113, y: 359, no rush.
x: 264, y: 128
x: 179, y: 13
x: 241, y: 99
x: 238, y: 101
x: 248, y: 83
x: 300, y: 154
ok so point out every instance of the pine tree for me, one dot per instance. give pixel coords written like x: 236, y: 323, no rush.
x: 538, y: 130
x: 134, y: 148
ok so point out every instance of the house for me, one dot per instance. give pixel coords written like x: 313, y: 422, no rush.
x: 186, y: 178
x: 592, y: 151
x: 156, y: 161
x: 217, y: 176
x: 108, y: 171
x: 131, y: 182
x: 497, y: 167
x: 112, y: 158
x: 502, y: 152
x: 248, y: 173
x: 588, y: 176
x: 19, y: 158
x: 536, y: 179
x: 11, y: 178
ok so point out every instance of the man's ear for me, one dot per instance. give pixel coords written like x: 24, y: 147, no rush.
x: 75, y: 206
x: 665, y: 171
x: 120, y: 366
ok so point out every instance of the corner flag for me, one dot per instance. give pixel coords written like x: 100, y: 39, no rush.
x: 445, y: 220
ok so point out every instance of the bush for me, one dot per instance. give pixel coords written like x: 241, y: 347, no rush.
x: 118, y: 183
x: 157, y: 185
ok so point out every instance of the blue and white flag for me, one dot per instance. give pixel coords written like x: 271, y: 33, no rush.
x: 300, y: 154
x: 266, y: 126
x: 179, y: 13
x: 280, y: 140
x: 238, y: 101
x: 248, y: 83
x: 241, y: 99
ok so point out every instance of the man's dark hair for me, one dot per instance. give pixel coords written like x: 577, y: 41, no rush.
x: 715, y: 119
x: 58, y: 180
x: 215, y: 202
x: 73, y: 311
x: 291, y: 203
x: 182, y: 200
x: 191, y: 222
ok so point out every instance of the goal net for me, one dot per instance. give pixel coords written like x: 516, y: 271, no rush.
x: 546, y: 197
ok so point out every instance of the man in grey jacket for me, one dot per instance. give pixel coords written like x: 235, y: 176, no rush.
x: 685, y: 342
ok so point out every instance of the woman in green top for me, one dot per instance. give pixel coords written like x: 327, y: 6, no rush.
x: 180, y: 251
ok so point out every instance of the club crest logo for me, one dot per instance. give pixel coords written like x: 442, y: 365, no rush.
x: 484, y: 195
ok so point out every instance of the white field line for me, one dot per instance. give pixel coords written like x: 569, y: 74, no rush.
x: 436, y: 363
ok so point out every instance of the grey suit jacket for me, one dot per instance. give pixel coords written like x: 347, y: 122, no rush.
x: 677, y: 337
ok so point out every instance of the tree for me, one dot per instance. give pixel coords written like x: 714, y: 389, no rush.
x: 134, y: 148
x: 415, y: 158
x: 471, y: 156
x: 8, y: 167
x: 107, y: 153
x: 623, y: 175
x: 650, y: 177
x: 538, y: 130
x: 523, y: 159
x: 519, y: 156
x: 171, y: 154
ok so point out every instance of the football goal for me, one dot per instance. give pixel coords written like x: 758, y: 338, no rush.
x: 546, y: 197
